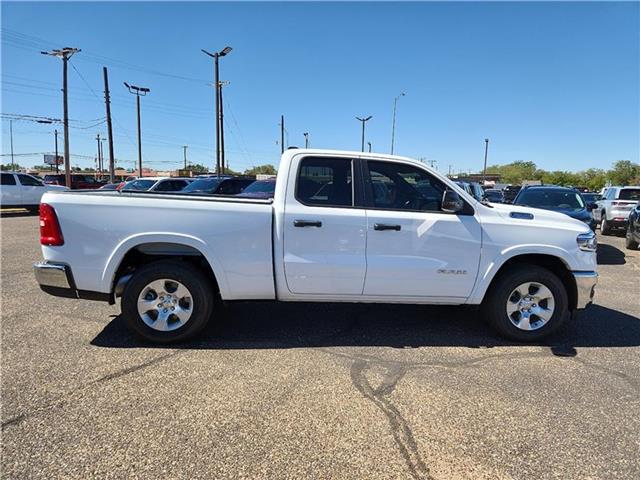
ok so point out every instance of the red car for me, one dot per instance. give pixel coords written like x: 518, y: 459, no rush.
x: 78, y: 181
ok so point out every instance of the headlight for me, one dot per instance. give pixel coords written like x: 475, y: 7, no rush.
x: 587, y: 242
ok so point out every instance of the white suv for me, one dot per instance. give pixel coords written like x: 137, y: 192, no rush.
x: 614, y: 207
x: 20, y: 190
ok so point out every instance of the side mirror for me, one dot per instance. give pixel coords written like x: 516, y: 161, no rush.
x: 451, y: 202
x: 592, y: 206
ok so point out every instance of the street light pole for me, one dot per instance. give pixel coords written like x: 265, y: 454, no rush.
x: 138, y: 92
x: 306, y: 139
x: 369, y: 143
x: 364, y: 120
x: 393, y: 124
x: 216, y: 74
x: 65, y: 54
x: 184, y: 148
x: 486, y: 150
x: 55, y: 136
x: 11, y: 135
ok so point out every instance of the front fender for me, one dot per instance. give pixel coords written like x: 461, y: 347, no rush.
x: 126, y: 245
x: 490, y: 267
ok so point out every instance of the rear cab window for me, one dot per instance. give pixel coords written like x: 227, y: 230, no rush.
x: 326, y: 182
x: 29, y: 181
x: 8, y: 179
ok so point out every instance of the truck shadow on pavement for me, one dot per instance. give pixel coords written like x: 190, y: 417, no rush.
x: 610, y: 255
x: 268, y: 325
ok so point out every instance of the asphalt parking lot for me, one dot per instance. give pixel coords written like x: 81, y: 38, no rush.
x: 316, y: 391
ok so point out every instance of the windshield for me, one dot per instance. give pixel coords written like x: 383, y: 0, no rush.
x: 203, y: 185
x: 139, y: 185
x: 262, y: 186
x: 629, y: 194
x: 591, y: 197
x: 550, y: 199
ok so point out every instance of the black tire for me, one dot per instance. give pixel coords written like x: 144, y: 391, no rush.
x: 629, y: 242
x: 202, y: 296
x: 605, y: 228
x: 495, y: 302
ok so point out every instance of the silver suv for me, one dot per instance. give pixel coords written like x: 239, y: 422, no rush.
x: 614, y: 207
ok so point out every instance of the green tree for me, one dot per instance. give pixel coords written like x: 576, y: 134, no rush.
x: 10, y: 166
x: 262, y: 169
x: 624, y: 172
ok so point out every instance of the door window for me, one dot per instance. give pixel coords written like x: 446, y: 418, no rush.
x: 326, y: 182
x: 29, y: 181
x: 398, y: 186
x: 8, y: 179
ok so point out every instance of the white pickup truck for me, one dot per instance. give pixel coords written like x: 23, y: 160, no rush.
x: 342, y: 227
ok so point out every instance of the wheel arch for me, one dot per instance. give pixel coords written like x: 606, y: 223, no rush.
x: 144, y: 249
x: 552, y: 263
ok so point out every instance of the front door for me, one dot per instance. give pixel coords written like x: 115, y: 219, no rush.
x: 413, y: 248
x: 324, y: 231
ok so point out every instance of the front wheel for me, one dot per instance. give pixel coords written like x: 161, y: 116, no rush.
x: 526, y: 303
x: 167, y: 302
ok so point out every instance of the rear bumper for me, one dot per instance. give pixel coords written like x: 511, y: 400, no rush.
x: 585, y: 286
x: 56, y: 279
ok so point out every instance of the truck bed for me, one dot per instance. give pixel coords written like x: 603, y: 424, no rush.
x: 96, y: 239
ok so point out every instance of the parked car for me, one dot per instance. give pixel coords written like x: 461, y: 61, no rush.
x: 466, y: 186
x: 112, y: 186
x: 613, y: 209
x: 78, y: 181
x: 590, y: 197
x: 219, y: 186
x: 632, y: 238
x: 510, y: 192
x: 493, y: 195
x: 156, y: 184
x: 477, y: 191
x: 259, y: 189
x: 20, y: 190
x: 560, y: 199
x: 325, y: 237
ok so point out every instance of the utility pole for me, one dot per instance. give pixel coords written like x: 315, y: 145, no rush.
x: 306, y: 139
x: 281, y: 133
x: 486, y: 150
x: 65, y: 54
x: 184, y: 148
x: 216, y: 82
x: 222, y: 156
x: 449, y: 171
x: 393, y: 124
x: 11, y: 135
x: 369, y: 143
x: 107, y: 101
x: 55, y: 136
x: 99, y: 158
x: 138, y: 92
x: 364, y: 120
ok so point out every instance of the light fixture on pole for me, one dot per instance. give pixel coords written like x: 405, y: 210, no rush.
x: 364, y: 120
x: 138, y: 92
x: 393, y: 124
x: 216, y: 73
x: 306, y: 139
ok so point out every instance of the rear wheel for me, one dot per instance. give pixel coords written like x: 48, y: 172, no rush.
x: 526, y: 303
x: 167, y: 302
x: 605, y: 228
x: 629, y: 242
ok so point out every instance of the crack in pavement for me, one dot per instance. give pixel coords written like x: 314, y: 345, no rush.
x: 66, y: 396
x: 400, y: 429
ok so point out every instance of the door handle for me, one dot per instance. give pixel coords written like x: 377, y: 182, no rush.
x: 386, y: 226
x: 307, y: 223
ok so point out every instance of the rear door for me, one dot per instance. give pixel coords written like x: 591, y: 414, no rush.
x: 10, y: 190
x: 324, y: 228
x: 32, y: 189
x: 414, y: 249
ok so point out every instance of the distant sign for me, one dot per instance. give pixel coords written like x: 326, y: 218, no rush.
x: 51, y: 160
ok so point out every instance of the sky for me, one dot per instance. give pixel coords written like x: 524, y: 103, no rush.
x: 553, y: 83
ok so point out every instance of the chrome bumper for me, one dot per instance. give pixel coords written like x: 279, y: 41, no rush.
x: 52, y: 275
x: 585, y: 286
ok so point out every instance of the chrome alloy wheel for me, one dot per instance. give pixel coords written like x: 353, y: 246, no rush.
x: 165, y: 305
x: 530, y: 306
